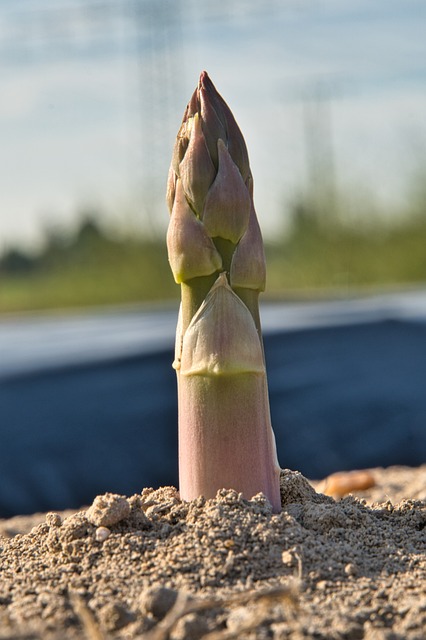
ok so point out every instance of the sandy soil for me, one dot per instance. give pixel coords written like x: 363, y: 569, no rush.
x: 152, y: 567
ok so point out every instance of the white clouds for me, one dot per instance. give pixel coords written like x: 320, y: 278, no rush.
x: 72, y: 128
x: 63, y: 137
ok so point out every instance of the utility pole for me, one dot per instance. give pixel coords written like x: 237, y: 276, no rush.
x: 319, y: 147
x: 148, y: 34
x: 159, y: 72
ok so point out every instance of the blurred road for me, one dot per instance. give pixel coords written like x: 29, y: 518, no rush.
x: 88, y: 403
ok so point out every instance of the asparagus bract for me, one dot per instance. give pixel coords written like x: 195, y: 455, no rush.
x: 216, y: 254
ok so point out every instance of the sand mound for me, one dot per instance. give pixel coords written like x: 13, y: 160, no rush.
x: 151, y: 566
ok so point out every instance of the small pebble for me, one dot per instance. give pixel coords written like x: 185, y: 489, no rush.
x: 157, y: 601
x: 53, y: 519
x: 351, y: 569
x: 287, y: 557
x: 190, y: 627
x: 102, y: 533
x: 108, y: 509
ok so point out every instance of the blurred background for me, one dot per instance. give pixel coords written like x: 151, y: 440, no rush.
x: 331, y: 99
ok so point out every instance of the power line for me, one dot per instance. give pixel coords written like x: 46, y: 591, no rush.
x: 147, y: 31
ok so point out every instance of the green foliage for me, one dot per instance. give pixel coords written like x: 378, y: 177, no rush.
x: 88, y: 269
x: 321, y: 253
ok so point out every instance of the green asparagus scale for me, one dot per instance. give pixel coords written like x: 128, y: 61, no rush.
x: 216, y: 254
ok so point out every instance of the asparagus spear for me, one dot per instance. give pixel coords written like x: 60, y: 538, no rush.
x: 216, y: 254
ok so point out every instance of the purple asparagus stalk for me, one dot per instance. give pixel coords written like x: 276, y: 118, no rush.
x: 216, y: 255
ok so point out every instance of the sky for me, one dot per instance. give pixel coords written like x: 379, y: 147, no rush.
x: 94, y: 91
